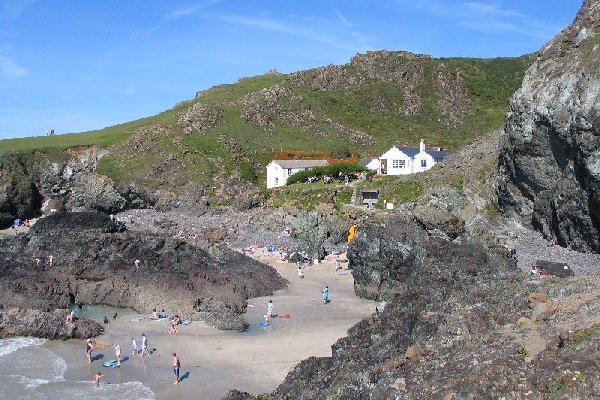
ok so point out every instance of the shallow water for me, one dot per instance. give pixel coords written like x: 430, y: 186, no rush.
x: 30, y: 371
x: 97, y: 312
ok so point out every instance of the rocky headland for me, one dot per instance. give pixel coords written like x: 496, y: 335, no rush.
x: 93, y: 263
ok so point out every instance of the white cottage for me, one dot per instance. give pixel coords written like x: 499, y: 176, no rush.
x: 404, y: 160
x: 278, y: 171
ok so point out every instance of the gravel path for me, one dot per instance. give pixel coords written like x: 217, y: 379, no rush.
x: 531, y: 246
x: 242, y: 229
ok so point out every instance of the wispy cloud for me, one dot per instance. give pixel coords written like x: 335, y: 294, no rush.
x: 10, y: 69
x: 485, y: 17
x: 341, y: 18
x: 11, y: 9
x: 289, y: 29
x: 181, y: 12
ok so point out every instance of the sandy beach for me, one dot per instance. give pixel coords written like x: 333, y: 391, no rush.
x: 213, y: 361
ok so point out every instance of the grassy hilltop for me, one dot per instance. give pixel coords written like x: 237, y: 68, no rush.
x: 378, y: 99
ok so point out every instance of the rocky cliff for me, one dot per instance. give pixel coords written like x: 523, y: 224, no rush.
x: 93, y: 263
x: 551, y: 156
x: 460, y: 321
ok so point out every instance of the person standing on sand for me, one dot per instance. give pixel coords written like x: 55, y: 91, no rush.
x: 300, y: 273
x: 97, y: 378
x: 176, y: 365
x: 134, y: 346
x: 270, y: 307
x: 118, y: 353
x: 325, y: 293
x: 144, y: 345
x: 88, y: 349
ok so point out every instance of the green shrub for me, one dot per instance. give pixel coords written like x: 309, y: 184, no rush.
x: 332, y: 170
x: 556, y: 386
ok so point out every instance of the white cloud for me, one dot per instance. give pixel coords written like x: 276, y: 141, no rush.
x: 486, y: 17
x: 10, y: 69
x: 276, y: 26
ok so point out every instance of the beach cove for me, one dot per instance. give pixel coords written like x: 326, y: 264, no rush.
x: 213, y: 361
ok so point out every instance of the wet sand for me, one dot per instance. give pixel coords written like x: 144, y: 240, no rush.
x: 213, y: 361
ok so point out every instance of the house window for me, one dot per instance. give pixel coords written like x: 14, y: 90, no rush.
x: 289, y: 171
x: 276, y: 181
x: 423, y: 163
x: 398, y: 163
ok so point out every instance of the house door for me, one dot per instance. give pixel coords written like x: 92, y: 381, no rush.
x: 383, y: 166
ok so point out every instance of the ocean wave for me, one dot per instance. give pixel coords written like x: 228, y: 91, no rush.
x: 87, y: 390
x: 8, y: 346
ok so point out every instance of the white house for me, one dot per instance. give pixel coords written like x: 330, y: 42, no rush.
x: 404, y: 160
x: 278, y: 171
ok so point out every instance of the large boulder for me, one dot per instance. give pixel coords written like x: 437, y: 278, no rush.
x: 550, y: 160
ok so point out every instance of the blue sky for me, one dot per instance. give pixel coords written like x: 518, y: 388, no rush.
x: 73, y: 65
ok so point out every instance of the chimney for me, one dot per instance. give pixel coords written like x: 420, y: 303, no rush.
x: 422, y: 145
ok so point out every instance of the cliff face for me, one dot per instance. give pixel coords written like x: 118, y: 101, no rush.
x: 551, y: 157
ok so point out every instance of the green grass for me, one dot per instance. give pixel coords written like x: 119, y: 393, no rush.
x: 307, y: 196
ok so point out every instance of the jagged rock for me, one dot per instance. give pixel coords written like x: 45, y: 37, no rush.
x: 550, y: 159
x: 445, y: 301
x: 442, y: 210
x: 50, y: 325
x: 96, y: 266
x: 238, y: 395
x: 331, y: 78
x: 199, y: 118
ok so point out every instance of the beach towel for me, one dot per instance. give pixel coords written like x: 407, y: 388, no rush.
x: 137, y: 319
x: 110, y: 363
x: 263, y: 323
x: 185, y: 322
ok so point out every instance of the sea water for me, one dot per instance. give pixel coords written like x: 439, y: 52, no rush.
x: 29, y: 371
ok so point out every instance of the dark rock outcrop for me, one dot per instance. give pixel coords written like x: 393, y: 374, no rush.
x: 19, y: 196
x: 460, y: 322
x: 93, y: 264
x: 551, y: 158
x: 444, y: 301
x: 51, y: 325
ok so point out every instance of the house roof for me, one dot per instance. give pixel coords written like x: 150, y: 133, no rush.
x: 437, y: 154
x: 413, y: 151
x: 363, y: 162
x: 294, y: 164
x: 409, y: 151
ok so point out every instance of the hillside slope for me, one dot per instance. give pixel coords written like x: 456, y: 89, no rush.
x: 218, y: 143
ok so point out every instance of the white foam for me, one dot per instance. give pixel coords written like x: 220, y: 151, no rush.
x: 8, y: 346
x: 32, y: 383
x: 114, y: 391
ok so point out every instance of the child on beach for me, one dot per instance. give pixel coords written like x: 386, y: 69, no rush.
x: 134, y: 346
x: 325, y: 294
x: 144, y: 346
x: 270, y: 309
x: 97, y: 378
x: 300, y: 273
x: 118, y: 353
